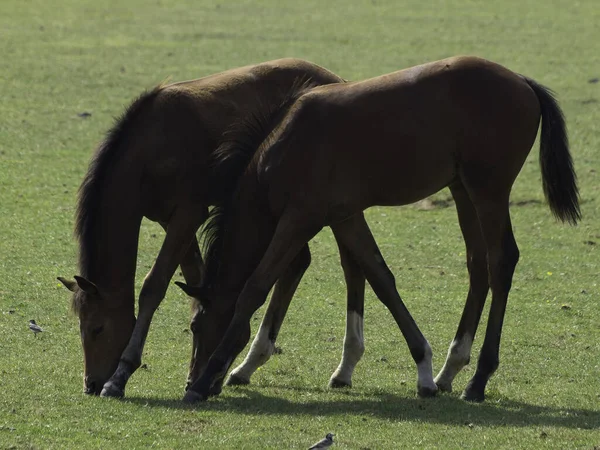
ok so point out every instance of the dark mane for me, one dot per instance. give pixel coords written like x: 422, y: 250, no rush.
x: 90, y: 191
x: 230, y: 160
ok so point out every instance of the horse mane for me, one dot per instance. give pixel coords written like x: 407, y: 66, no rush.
x: 104, y: 159
x: 230, y: 160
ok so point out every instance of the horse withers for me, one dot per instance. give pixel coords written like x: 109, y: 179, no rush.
x: 156, y: 162
x: 463, y: 123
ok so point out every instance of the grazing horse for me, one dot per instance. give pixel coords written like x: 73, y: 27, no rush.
x: 463, y: 122
x: 156, y: 162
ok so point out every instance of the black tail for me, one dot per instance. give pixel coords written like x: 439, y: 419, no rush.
x: 558, y: 174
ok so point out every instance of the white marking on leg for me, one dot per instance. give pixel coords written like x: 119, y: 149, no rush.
x: 458, y: 357
x: 354, y: 347
x: 260, y: 351
x: 425, y: 384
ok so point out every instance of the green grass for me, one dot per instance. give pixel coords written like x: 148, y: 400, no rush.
x: 65, y: 57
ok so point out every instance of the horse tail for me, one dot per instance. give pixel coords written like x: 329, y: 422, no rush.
x: 558, y: 175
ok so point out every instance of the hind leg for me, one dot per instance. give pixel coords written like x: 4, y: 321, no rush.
x: 264, y: 343
x: 192, y: 267
x: 459, y: 353
x: 502, y: 257
x: 354, y: 346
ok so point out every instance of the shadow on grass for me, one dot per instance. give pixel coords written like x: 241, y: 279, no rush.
x: 446, y: 409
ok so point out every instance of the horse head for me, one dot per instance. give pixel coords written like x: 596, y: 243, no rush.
x: 105, y: 329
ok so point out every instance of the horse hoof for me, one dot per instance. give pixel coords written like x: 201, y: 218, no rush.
x: 336, y: 383
x: 475, y: 391
x: 112, y: 390
x: 215, y: 389
x: 427, y: 391
x: 444, y: 387
x: 470, y: 395
x: 236, y: 380
x: 193, y: 397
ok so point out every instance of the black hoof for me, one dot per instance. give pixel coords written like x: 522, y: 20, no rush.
x: 193, y: 397
x: 235, y: 380
x: 475, y: 390
x: 426, y: 392
x: 91, y: 390
x: 335, y: 383
x: 112, y: 390
x: 470, y: 395
x: 216, y: 389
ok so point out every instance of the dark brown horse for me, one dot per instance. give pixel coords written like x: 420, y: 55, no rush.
x: 464, y: 122
x: 155, y: 163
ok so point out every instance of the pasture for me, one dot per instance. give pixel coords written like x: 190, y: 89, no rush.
x: 68, y: 67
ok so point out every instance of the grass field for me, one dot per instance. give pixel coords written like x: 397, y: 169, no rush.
x: 62, y: 58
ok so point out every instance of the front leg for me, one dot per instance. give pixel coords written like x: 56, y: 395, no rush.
x: 290, y: 237
x: 264, y: 343
x: 180, y: 233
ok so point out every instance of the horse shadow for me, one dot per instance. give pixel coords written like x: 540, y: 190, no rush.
x: 447, y: 409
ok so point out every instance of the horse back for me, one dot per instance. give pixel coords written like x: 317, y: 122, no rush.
x: 174, y: 136
x: 399, y: 137
x: 187, y: 119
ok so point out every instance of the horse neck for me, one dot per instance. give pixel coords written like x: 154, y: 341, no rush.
x: 109, y: 259
x: 248, y: 233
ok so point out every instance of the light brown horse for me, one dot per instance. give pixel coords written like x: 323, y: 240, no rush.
x: 464, y: 122
x: 155, y: 163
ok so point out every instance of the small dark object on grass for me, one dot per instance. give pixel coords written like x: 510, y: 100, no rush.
x: 84, y: 115
x: 593, y: 80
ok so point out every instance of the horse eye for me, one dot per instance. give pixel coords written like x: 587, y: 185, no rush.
x: 96, y: 331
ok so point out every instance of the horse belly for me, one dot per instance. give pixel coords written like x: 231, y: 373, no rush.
x: 410, y: 170
x: 410, y: 182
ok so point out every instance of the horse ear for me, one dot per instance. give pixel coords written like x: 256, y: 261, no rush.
x: 196, y: 292
x: 69, y: 284
x: 86, y: 286
x: 193, y: 291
